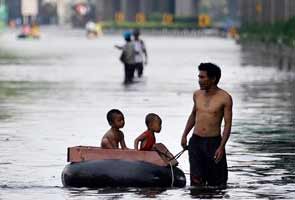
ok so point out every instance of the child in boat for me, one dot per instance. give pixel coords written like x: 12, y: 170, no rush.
x: 147, y: 139
x: 114, y: 136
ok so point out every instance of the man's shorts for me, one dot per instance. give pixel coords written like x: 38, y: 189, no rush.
x: 203, y: 168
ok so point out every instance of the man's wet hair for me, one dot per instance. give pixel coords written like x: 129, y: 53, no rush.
x: 111, y: 114
x: 213, y: 71
x: 151, y: 117
x: 136, y: 32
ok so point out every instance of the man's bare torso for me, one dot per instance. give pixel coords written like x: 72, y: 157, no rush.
x: 209, y: 112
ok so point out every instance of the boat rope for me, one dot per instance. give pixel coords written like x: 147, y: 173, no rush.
x: 178, y: 154
x: 170, y: 158
x: 171, y: 166
x: 173, y: 157
x: 164, y: 154
x: 172, y: 174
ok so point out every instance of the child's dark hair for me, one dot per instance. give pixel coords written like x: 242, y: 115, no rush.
x: 213, y: 71
x: 111, y: 113
x: 151, y: 117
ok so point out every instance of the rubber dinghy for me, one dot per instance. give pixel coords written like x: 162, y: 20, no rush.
x: 94, y: 167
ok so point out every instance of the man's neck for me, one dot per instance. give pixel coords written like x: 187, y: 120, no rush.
x: 211, y: 90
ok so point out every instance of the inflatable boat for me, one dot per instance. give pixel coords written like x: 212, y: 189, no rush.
x: 94, y: 167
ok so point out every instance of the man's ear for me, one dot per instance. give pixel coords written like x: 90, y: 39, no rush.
x: 213, y: 79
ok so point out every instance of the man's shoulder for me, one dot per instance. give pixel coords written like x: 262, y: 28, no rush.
x: 225, y: 95
x: 197, y: 92
x: 129, y: 46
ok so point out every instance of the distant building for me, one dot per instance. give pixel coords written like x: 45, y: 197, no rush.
x: 48, y: 12
x: 266, y: 11
x: 60, y: 11
x: 233, y: 8
x: 106, y: 9
x: 14, y: 10
x: 186, y: 8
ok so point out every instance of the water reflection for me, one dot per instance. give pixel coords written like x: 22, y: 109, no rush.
x: 116, y: 193
x: 60, y: 96
x: 208, y: 193
x: 268, y: 55
x: 266, y: 130
x: 150, y: 192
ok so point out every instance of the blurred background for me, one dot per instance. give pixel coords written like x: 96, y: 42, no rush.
x: 60, y: 74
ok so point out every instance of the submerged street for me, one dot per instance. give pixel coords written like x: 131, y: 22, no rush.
x: 55, y: 93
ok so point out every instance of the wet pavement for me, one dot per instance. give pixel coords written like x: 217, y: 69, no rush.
x: 56, y: 91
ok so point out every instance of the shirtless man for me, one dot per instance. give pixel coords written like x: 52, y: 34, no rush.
x: 114, y: 136
x: 206, y: 147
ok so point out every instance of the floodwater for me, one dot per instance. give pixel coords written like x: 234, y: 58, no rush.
x: 56, y: 91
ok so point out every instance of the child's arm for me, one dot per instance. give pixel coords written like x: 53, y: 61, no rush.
x: 138, y: 139
x: 122, y: 142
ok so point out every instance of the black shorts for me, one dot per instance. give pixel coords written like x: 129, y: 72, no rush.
x: 202, y: 165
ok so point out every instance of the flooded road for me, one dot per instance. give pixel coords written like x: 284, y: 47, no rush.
x: 55, y: 93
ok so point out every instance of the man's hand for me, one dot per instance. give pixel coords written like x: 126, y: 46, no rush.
x: 184, y: 142
x: 118, y: 47
x: 219, y: 154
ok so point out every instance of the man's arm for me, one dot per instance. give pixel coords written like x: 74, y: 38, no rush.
x: 189, y: 125
x: 119, y: 47
x: 227, y: 121
x: 227, y: 129
x: 144, y: 52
